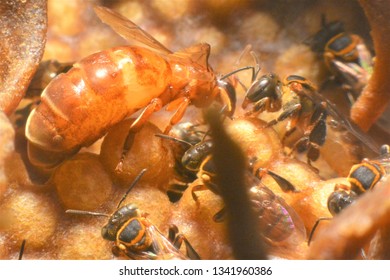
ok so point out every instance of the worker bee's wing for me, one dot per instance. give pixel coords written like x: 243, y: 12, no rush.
x: 352, y: 128
x: 128, y: 29
x: 339, y: 121
x: 279, y: 222
x: 162, y: 247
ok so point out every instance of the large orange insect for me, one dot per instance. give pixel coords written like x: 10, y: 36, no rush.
x: 78, y: 107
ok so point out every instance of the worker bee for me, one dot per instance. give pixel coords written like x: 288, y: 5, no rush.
x: 265, y: 94
x: 344, y: 54
x: 294, y: 98
x: 280, y: 223
x: 197, y: 161
x: 182, y: 136
x: 198, y: 158
x: 302, y: 107
x: 362, y: 177
x: 136, y: 237
x: 78, y: 107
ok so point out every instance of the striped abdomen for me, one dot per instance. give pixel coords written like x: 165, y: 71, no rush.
x: 365, y: 176
x: 78, y: 107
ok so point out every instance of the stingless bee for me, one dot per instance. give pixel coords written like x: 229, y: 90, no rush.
x: 136, y: 237
x: 196, y: 160
x: 302, y: 107
x: 78, y: 107
x: 280, y: 223
x: 344, y: 54
x: 294, y: 98
x: 362, y: 178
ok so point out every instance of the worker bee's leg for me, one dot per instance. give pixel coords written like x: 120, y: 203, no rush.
x: 260, y: 106
x: 283, y: 183
x: 177, y: 240
x: 175, y: 191
x: 314, y: 136
x: 293, y: 112
x: 197, y: 185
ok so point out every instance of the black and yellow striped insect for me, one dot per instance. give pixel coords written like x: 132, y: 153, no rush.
x: 136, y: 237
x: 198, y: 159
x: 302, y: 108
x: 344, y: 54
x: 280, y: 222
x: 299, y: 105
x: 362, y: 177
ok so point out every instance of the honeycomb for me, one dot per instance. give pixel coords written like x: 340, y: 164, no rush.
x: 34, y: 200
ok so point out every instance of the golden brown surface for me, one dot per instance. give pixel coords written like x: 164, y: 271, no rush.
x: 196, y: 219
x: 146, y: 151
x: 82, y: 183
x: 31, y: 216
x: 33, y: 208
